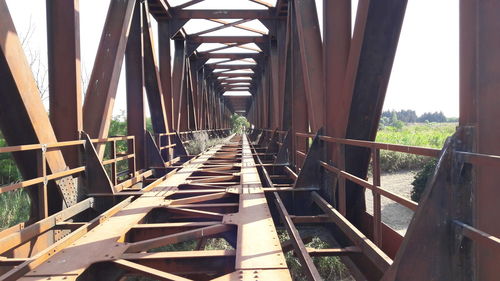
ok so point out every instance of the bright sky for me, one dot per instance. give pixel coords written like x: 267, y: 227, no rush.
x: 425, y: 72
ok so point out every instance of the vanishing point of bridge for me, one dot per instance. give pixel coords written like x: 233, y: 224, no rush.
x: 122, y: 207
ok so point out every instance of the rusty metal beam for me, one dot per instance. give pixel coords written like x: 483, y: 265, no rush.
x: 233, y: 75
x: 22, y: 107
x: 336, y: 43
x: 226, y: 39
x: 299, y: 248
x: 134, y: 62
x: 217, y: 28
x: 370, y: 80
x: 187, y: 4
x: 479, y: 86
x: 234, y: 56
x: 263, y: 3
x: 152, y: 81
x: 221, y: 14
x: 231, y: 66
x: 178, y: 78
x: 239, y: 26
x: 165, y: 65
x: 65, y: 85
x: 103, y: 83
x: 311, y: 54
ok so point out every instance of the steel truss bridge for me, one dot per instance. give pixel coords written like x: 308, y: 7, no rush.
x: 111, y: 207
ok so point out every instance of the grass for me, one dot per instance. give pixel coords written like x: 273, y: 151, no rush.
x: 432, y: 135
x: 14, y: 208
x: 330, y: 268
x: 201, y: 142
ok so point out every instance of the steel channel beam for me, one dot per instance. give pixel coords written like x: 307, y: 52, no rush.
x: 178, y: 79
x: 336, y: 44
x: 371, y: 58
x: 103, y: 83
x: 22, y: 107
x: 255, y: 252
x: 65, y: 85
x: 311, y: 54
x: 479, y: 99
x: 136, y: 119
x: 227, y: 39
x: 165, y: 65
x: 152, y: 81
x: 221, y: 14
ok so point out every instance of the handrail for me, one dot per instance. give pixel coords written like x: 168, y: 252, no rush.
x: 417, y: 150
x: 478, y: 158
x: 377, y: 190
x: 278, y: 131
x: 375, y: 185
x: 43, y: 176
x: 366, y: 184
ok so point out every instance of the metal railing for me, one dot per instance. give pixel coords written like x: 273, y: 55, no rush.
x: 44, y: 176
x: 378, y: 191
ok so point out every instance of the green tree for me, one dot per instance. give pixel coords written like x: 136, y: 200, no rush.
x: 239, y: 123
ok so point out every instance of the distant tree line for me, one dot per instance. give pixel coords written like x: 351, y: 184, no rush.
x: 391, y: 117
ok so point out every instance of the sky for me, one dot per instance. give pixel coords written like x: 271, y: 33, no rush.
x: 425, y: 71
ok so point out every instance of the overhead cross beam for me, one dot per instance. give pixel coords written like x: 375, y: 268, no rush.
x: 232, y: 56
x: 225, y: 39
x: 188, y: 4
x: 221, y: 14
x: 263, y: 3
x: 239, y: 26
x: 226, y: 25
x: 231, y: 66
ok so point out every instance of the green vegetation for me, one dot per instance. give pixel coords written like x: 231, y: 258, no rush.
x: 420, y: 180
x: 14, y: 208
x: 14, y: 205
x: 432, y: 135
x: 410, y: 116
x: 330, y: 268
x: 200, y: 143
x: 8, y: 169
x: 239, y: 123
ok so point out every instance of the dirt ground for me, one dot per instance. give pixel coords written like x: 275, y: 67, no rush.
x: 393, y: 214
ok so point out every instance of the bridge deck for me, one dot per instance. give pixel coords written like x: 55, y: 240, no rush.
x: 198, y: 201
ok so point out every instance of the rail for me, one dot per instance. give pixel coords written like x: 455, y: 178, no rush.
x: 378, y: 190
x: 44, y: 176
x: 164, y: 141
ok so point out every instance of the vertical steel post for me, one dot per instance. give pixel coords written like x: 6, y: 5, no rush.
x: 178, y: 79
x: 166, y: 68
x: 336, y: 44
x: 65, y: 84
x: 479, y: 102
x: 136, y: 120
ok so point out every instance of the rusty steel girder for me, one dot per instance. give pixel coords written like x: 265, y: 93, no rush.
x: 314, y: 104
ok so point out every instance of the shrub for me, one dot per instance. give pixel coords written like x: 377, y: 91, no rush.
x: 201, y: 142
x: 431, y: 135
x: 421, y: 178
x: 392, y: 161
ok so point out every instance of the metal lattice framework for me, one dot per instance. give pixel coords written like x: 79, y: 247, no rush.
x: 314, y: 103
